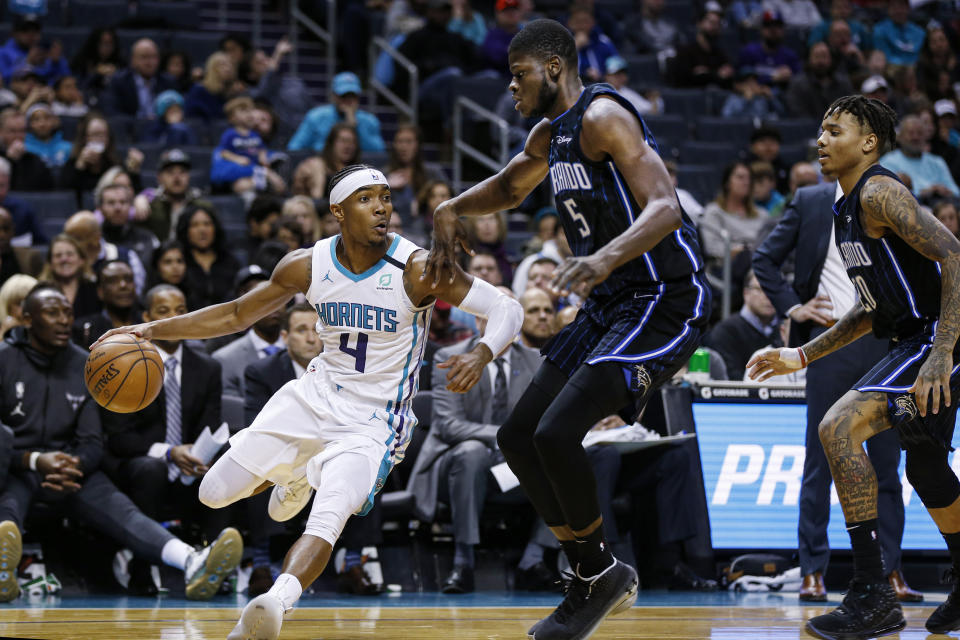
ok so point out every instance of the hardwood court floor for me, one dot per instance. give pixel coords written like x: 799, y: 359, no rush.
x: 730, y: 617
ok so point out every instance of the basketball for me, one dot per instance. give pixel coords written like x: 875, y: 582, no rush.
x: 124, y: 373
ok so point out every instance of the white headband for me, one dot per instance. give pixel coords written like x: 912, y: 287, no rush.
x: 354, y: 181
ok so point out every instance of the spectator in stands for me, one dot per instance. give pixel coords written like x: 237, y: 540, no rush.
x: 14, y: 260
x: 774, y: 62
x: 115, y: 202
x: 937, y: 67
x: 264, y: 121
x: 304, y: 211
x: 946, y: 212
x: 876, y: 87
x: 236, y: 47
x: 28, y: 171
x: 27, y: 87
x: 27, y: 229
x: 58, y: 448
x: 556, y: 249
x: 206, y: 100
x: 44, y: 137
x: 85, y: 227
x: 210, y: 265
x: 329, y: 226
x: 802, y: 174
x: 429, y: 198
x: 469, y: 23
x: 97, y: 61
x: 344, y: 107
x: 168, y: 265
x: 897, y: 37
x: 545, y: 223
x: 25, y: 36
x: 733, y: 210
x: 169, y: 128
x: 928, y: 173
x: 46, y: 58
x: 406, y: 169
x: 541, y: 274
x: 489, y: 233
x: 811, y: 92
x: 118, y: 295
x: 797, y: 14
x: 649, y: 31
x: 946, y: 140
x: 173, y: 195
x: 736, y: 337
x: 483, y: 264
x: 593, y: 46
x: 539, y: 318
x: 68, y: 268
x: 93, y: 153
x: 616, y: 70
x: 687, y: 201
x: 906, y: 96
x: 340, y: 149
x: 177, y: 66
x: 750, y: 99
x: 148, y: 452
x: 765, y: 194
x: 263, y: 213
x: 287, y: 230
x: 745, y: 14
x: 847, y: 56
x: 116, y: 176
x: 842, y: 10
x: 68, y: 98
x: 260, y: 341
x: 285, y: 93
x: 12, y: 293
x: 241, y: 162
x: 703, y: 62
x: 507, y: 19
x: 132, y: 91
x: 765, y: 145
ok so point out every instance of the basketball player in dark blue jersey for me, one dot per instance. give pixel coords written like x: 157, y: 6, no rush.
x: 906, y: 267
x: 638, y: 264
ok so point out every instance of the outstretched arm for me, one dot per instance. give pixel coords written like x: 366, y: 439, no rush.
x: 292, y: 275
x: 889, y: 206
x: 610, y: 131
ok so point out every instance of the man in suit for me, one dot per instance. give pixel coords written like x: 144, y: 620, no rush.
x: 261, y: 340
x: 116, y: 290
x: 148, y: 451
x: 820, y: 294
x: 133, y: 90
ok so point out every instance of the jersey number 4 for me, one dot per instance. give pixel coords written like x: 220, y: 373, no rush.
x: 359, y: 353
x: 578, y: 217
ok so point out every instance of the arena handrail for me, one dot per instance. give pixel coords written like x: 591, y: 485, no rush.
x: 406, y: 107
x: 328, y: 36
x: 460, y: 147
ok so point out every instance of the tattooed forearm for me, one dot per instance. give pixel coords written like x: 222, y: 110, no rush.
x: 852, y: 325
x: 888, y: 204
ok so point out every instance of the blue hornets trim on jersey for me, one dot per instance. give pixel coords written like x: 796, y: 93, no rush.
x: 899, y: 287
x: 596, y: 206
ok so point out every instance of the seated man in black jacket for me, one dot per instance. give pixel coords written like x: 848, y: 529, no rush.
x: 57, y: 448
x: 118, y: 294
x: 756, y: 325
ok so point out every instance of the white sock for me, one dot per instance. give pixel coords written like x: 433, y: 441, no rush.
x: 288, y: 589
x: 175, y: 553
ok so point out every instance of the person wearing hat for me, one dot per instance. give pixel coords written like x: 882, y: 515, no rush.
x: 775, y: 63
x: 44, y: 137
x: 173, y: 195
x: 26, y: 34
x: 702, y: 62
x: 344, y: 107
x: 750, y: 99
x: 169, y: 128
x: 616, y: 68
x: 508, y: 18
x: 765, y: 146
x: 811, y: 92
x: 876, y: 87
x: 946, y: 142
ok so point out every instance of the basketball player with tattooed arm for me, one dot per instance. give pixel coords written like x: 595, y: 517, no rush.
x: 906, y: 267
x: 341, y: 427
x: 638, y: 264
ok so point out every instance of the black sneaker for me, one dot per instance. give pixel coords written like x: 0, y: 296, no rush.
x: 588, y: 602
x: 869, y: 609
x: 568, y: 582
x: 947, y: 616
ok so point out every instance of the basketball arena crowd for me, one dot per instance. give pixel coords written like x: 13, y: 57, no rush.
x: 150, y: 167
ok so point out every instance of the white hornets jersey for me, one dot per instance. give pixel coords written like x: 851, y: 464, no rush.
x: 373, y: 335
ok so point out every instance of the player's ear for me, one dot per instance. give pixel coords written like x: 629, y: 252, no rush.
x: 337, y: 211
x: 146, y: 316
x: 553, y: 68
x: 870, y: 143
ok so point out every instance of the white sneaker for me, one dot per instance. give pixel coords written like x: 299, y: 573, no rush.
x: 287, y: 501
x: 207, y: 568
x: 260, y: 620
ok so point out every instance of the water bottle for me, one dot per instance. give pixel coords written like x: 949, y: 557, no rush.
x: 698, y: 369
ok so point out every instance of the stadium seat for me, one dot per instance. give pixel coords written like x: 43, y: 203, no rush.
x: 796, y: 130
x: 688, y: 103
x: 718, y: 153
x: 72, y: 38
x: 91, y: 13
x: 68, y: 127
x: 53, y: 227
x: 49, y: 204
x: 197, y: 45
x: 791, y: 154
x: 231, y: 211
x: 671, y: 127
x: 735, y: 131
x: 702, y: 181
x: 644, y: 70
x: 231, y: 412
x: 484, y: 91
x: 170, y: 15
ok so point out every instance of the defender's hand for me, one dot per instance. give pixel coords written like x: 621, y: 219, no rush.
x: 143, y: 330
x: 448, y: 230
x: 581, y: 275
x: 467, y: 368
x: 775, y: 362
x: 934, y: 377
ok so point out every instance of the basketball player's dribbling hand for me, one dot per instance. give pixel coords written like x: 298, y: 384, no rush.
x: 580, y: 275
x: 775, y: 362
x: 934, y: 377
x: 466, y: 368
x: 448, y: 231
x: 143, y: 330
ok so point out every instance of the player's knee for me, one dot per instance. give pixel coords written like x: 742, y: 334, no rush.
x: 511, y: 439
x: 928, y: 470
x: 471, y: 454
x: 550, y: 440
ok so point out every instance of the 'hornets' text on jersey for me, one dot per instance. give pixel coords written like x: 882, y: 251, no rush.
x: 596, y: 205
x: 899, y: 287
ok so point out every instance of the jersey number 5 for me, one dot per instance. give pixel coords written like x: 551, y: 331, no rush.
x: 360, y: 353
x: 578, y: 217
x: 866, y: 298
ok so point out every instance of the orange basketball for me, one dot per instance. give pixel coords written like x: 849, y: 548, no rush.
x: 124, y: 373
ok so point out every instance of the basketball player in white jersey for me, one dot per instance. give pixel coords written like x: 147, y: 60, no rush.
x: 342, y: 426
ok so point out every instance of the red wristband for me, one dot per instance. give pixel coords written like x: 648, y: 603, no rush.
x: 803, y: 358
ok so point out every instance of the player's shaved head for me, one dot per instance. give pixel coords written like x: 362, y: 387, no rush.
x: 154, y: 291
x: 543, y: 39
x: 34, y: 299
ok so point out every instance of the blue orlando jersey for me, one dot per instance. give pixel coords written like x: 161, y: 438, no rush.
x: 596, y: 206
x: 899, y: 287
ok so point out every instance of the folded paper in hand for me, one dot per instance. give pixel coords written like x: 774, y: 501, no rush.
x: 207, y: 446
